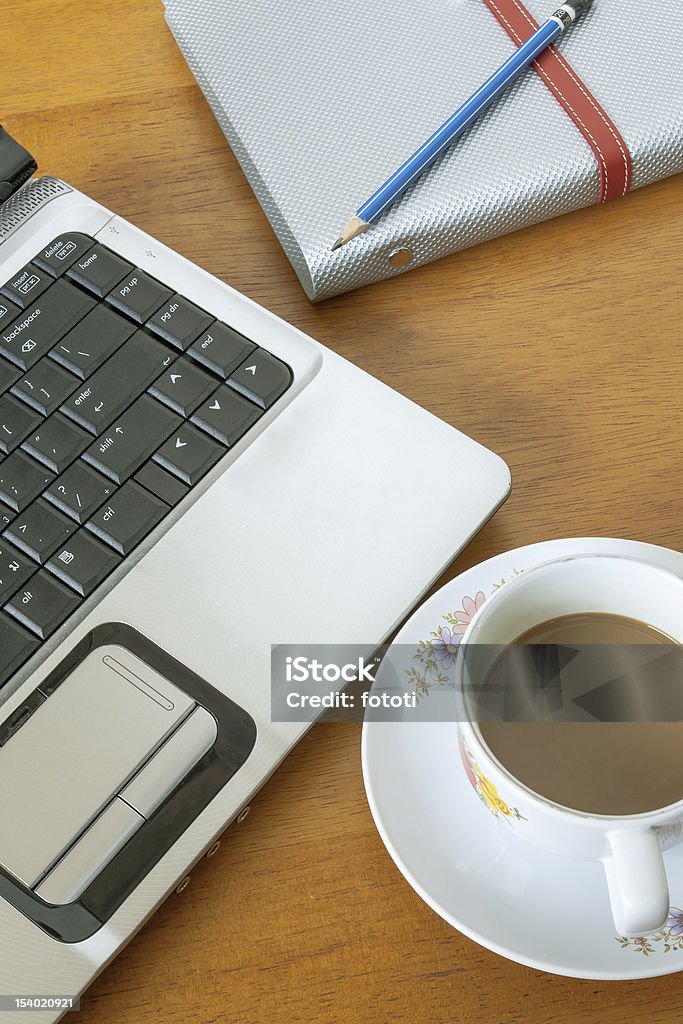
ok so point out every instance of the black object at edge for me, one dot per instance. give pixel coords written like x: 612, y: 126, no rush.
x: 236, y: 737
x: 16, y: 165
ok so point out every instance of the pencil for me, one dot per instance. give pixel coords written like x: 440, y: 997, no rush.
x: 459, y: 122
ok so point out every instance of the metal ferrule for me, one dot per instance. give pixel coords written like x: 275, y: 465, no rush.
x: 569, y: 12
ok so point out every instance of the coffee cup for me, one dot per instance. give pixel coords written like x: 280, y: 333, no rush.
x: 629, y: 846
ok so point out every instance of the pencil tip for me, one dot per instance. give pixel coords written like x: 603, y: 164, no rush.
x: 355, y: 227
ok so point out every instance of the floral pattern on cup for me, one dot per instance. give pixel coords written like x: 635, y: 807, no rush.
x: 668, y: 940
x: 436, y: 656
x: 485, y: 789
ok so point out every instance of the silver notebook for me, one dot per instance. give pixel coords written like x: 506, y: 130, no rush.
x: 321, y: 101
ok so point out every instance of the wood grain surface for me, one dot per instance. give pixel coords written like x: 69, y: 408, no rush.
x: 559, y: 347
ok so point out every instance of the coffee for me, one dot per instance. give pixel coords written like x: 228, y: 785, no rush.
x: 616, y: 765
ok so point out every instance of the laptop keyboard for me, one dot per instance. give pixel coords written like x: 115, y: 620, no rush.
x: 117, y: 395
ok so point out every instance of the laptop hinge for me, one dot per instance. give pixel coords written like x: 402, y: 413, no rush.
x: 16, y: 165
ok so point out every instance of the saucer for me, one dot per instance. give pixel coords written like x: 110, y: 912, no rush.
x: 470, y: 864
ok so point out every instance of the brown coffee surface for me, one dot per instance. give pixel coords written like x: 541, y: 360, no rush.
x: 605, y: 767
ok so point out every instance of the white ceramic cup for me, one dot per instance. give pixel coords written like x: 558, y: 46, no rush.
x: 629, y: 846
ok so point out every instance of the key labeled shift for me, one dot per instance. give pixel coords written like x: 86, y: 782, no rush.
x: 121, y: 450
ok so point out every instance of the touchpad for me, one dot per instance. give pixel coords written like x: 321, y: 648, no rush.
x: 76, y: 751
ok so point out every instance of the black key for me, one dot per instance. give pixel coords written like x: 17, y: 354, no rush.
x: 62, y: 252
x: 16, y: 647
x: 56, y: 443
x: 6, y: 516
x: 16, y: 421
x: 22, y: 480
x: 43, y: 604
x: 79, y: 491
x: 183, y: 386
x: 42, y: 324
x: 92, y: 341
x: 26, y: 285
x: 111, y: 389
x: 40, y: 530
x: 99, y: 270
x: 128, y: 517
x: 8, y: 375
x: 15, y: 569
x: 8, y: 312
x: 179, y: 322
x: 83, y: 563
x: 139, y: 296
x: 261, y: 378
x: 161, y: 483
x: 189, y: 454
x: 45, y: 386
x: 221, y: 349
x: 226, y: 415
x: 131, y: 441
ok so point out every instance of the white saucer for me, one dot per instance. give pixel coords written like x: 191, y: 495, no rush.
x: 475, y: 871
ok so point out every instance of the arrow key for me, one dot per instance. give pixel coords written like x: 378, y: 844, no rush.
x: 261, y: 378
x: 189, y: 454
x: 226, y: 415
x: 183, y: 387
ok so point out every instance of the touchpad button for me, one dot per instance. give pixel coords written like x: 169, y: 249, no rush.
x: 76, y: 751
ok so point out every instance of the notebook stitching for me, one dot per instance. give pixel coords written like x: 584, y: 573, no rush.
x: 554, y: 88
x: 588, y: 96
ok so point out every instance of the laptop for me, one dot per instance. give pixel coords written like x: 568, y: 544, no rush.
x: 185, y: 480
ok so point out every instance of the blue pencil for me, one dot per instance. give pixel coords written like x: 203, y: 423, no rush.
x: 463, y: 117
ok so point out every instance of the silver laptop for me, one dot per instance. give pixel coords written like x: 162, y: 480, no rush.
x: 185, y: 480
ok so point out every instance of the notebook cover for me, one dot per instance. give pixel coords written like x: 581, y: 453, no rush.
x: 321, y: 101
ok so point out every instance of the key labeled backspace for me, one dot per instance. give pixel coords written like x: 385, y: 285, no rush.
x: 43, y: 323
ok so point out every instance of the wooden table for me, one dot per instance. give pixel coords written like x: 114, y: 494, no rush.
x: 302, y: 916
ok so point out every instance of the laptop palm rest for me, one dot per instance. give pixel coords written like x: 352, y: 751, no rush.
x: 84, y: 744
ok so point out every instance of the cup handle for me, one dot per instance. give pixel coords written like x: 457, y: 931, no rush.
x: 636, y: 881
